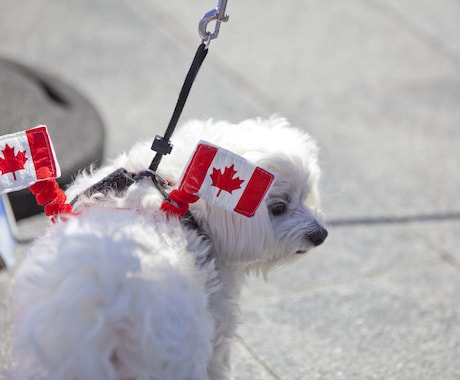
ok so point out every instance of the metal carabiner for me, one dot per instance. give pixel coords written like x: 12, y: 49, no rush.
x: 218, y: 15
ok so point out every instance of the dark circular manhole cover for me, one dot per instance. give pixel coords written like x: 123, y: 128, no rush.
x: 29, y: 97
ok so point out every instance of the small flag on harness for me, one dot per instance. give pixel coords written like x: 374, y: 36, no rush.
x: 25, y: 158
x: 226, y: 180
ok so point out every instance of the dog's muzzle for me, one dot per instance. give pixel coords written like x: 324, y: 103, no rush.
x: 318, y: 235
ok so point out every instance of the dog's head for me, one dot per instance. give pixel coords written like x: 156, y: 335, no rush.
x: 287, y: 223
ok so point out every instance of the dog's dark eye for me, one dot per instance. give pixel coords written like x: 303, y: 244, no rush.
x: 278, y: 208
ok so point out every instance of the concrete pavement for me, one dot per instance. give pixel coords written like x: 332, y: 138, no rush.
x: 376, y: 82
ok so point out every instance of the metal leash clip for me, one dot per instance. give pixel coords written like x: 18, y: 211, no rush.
x: 218, y: 15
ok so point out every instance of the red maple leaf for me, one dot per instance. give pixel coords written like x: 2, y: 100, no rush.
x: 11, y: 163
x: 224, y: 180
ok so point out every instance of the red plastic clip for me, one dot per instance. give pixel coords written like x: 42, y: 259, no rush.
x: 49, y: 194
x: 180, y: 203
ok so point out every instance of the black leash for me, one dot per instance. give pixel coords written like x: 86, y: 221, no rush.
x: 162, y: 145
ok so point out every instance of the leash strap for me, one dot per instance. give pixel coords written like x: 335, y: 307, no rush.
x: 162, y: 145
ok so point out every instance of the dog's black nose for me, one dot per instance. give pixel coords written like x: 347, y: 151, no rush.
x: 318, y: 236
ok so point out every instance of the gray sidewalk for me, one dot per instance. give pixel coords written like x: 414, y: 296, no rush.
x: 376, y: 82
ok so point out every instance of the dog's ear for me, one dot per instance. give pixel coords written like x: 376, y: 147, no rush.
x: 236, y: 238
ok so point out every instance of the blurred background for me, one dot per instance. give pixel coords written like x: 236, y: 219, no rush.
x: 376, y: 82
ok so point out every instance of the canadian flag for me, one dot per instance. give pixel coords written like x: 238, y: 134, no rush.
x: 225, y: 179
x: 25, y: 158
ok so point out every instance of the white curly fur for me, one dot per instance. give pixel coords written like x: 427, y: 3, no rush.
x: 123, y: 291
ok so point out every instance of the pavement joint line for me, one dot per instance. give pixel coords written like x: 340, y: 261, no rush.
x: 445, y: 256
x: 370, y: 275
x: 232, y: 77
x: 382, y: 220
x: 432, y: 41
x: 321, y: 102
x: 173, y: 29
x: 449, y: 259
x: 240, y: 82
x: 239, y: 340
x: 381, y: 201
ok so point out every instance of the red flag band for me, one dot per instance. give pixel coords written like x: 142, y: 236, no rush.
x: 225, y: 179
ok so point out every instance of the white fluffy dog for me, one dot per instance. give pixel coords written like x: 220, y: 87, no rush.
x: 124, y: 291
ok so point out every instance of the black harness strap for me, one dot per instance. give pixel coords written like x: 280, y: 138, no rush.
x: 117, y: 181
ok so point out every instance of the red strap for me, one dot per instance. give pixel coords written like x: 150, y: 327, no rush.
x: 182, y: 201
x: 49, y: 194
